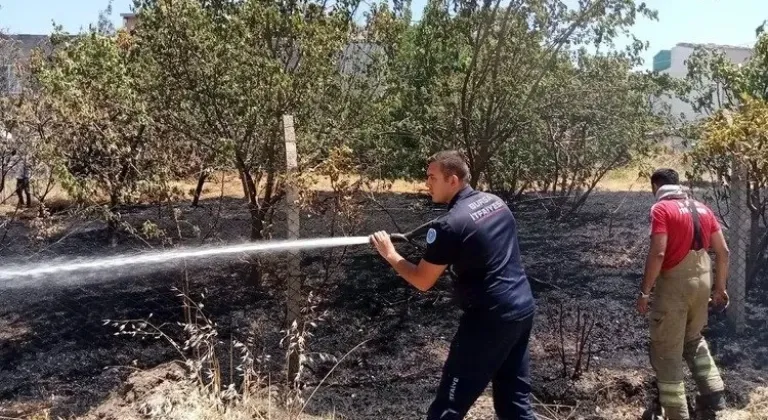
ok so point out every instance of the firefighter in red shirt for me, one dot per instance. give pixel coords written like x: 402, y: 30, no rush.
x: 682, y: 230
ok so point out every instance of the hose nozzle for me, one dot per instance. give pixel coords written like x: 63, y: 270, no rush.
x: 398, y: 237
x: 408, y: 236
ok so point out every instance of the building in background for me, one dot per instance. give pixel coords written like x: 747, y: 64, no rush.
x: 674, y: 62
x: 15, y: 51
x: 129, y: 20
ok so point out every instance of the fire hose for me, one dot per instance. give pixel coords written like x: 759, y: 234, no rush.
x: 412, y: 234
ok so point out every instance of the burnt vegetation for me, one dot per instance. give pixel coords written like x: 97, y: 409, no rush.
x: 173, y: 134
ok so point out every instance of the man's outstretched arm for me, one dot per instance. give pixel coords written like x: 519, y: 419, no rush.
x: 422, y: 276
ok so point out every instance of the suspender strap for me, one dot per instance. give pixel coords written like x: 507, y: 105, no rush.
x: 698, y: 243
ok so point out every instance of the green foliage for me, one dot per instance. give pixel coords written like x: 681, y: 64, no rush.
x: 26, y: 115
x: 106, y: 140
x: 222, y: 74
x: 719, y: 87
x: 362, y: 93
x: 734, y: 133
x: 507, y: 85
x: 716, y: 82
x: 595, y: 118
x: 203, y: 84
x: 30, y: 119
x: 742, y: 135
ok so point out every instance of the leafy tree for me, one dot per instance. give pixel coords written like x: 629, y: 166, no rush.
x: 719, y: 87
x: 741, y: 137
x: 742, y: 134
x: 716, y: 82
x: 30, y: 119
x: 365, y: 91
x: 760, y: 29
x: 222, y: 74
x: 106, y: 144
x: 594, y: 118
x: 473, y: 72
x: 9, y: 56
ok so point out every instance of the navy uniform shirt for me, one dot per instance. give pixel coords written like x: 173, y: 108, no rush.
x: 478, y: 237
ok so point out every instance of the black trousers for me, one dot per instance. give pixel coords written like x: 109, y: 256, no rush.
x: 486, y: 351
x: 22, y: 186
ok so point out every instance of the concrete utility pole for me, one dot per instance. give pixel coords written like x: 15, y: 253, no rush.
x: 738, y: 235
x: 293, y: 282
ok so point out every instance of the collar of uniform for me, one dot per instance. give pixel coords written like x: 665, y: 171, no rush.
x: 459, y: 195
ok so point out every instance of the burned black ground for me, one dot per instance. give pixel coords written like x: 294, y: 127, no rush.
x: 56, y: 351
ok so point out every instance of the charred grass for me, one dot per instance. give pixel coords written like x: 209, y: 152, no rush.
x: 60, y: 355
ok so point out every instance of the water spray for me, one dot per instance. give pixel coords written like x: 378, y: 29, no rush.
x: 68, y: 271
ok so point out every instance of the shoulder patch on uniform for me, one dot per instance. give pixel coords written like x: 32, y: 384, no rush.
x: 431, y: 235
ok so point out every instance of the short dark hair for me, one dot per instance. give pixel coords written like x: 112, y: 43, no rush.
x: 452, y: 162
x: 665, y: 176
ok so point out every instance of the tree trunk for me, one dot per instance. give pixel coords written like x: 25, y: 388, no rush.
x: 475, y: 172
x: 246, y: 194
x: 199, y: 189
x: 490, y: 181
x: 257, y: 223
x: 473, y: 177
x: 112, y: 225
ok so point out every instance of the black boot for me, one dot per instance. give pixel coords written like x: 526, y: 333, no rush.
x: 708, y: 405
x: 654, y: 411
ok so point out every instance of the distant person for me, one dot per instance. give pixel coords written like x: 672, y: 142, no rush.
x: 21, y: 169
x: 478, y: 237
x: 682, y: 230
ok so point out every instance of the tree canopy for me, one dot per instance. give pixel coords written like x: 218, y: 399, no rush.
x: 534, y: 92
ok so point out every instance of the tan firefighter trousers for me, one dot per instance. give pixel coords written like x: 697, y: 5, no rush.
x: 678, y: 314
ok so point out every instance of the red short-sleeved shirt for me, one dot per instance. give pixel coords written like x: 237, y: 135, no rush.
x: 674, y: 218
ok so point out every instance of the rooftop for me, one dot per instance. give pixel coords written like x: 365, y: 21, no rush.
x: 714, y: 46
x: 26, y: 42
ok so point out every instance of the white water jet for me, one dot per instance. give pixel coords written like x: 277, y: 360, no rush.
x: 79, y: 270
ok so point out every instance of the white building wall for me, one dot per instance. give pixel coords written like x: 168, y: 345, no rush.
x: 679, y: 69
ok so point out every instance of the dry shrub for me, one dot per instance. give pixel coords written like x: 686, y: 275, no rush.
x: 222, y: 378
x: 191, y: 403
x: 342, y: 206
x: 573, y: 327
x: 757, y: 409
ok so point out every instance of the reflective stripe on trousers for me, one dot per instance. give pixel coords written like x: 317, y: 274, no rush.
x: 678, y: 315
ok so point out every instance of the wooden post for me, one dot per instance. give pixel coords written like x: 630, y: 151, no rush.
x: 293, y: 282
x: 738, y: 236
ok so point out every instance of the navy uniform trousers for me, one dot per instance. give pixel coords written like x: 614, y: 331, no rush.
x: 486, y: 351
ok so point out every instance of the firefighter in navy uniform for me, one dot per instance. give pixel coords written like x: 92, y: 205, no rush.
x: 478, y: 238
